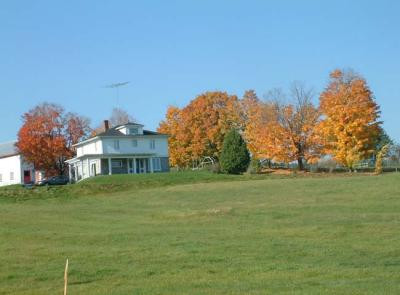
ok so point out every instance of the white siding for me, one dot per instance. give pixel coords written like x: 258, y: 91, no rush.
x: 10, y: 165
x: 85, y: 171
x: 94, y: 147
x: 143, y: 146
x: 79, y: 151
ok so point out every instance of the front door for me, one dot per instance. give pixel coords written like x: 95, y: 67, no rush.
x: 27, y: 176
x: 93, y: 168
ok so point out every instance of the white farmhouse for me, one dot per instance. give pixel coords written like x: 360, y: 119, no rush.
x: 13, y: 168
x: 123, y: 149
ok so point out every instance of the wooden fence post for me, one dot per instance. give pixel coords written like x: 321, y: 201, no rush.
x: 66, y: 277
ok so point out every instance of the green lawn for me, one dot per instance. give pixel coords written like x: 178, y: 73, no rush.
x: 200, y: 233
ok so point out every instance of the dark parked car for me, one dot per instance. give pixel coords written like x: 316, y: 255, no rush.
x: 55, y: 180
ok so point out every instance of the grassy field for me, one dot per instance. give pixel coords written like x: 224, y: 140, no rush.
x: 200, y: 233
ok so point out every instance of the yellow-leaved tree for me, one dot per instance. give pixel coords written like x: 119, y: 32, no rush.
x: 256, y: 117
x: 350, y: 124
x: 293, y: 135
x: 198, y: 129
x: 179, y: 139
x: 284, y: 132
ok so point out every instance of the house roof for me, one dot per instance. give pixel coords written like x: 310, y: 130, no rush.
x: 8, y: 149
x: 110, y: 132
x: 128, y: 123
x: 148, y: 132
x: 114, y: 132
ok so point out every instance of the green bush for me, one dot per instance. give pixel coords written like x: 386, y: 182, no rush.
x: 235, y: 157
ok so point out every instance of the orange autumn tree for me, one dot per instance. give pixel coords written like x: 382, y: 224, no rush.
x: 350, y: 126
x: 293, y: 135
x: 256, y: 119
x: 76, y: 128
x: 285, y: 132
x: 178, y: 140
x: 47, y: 135
x: 249, y: 104
x: 198, y: 129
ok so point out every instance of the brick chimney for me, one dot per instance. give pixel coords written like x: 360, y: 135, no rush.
x: 106, y: 125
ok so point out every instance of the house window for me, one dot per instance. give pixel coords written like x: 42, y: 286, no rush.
x: 116, y: 144
x: 133, y: 131
x: 116, y: 163
x: 134, y: 143
x: 152, y: 144
x: 156, y: 164
x: 11, y: 175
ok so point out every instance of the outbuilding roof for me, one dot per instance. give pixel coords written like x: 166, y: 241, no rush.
x: 8, y: 149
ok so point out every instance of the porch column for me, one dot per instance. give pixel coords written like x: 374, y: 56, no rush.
x: 151, y: 165
x: 127, y: 165
x: 100, y: 171
x: 76, y: 172
x: 82, y: 170
x: 109, y: 167
x: 88, y: 166
x: 70, y: 173
x: 134, y: 165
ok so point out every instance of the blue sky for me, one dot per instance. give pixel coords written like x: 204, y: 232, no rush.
x: 66, y: 51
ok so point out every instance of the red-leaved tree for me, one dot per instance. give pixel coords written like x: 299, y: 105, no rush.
x: 47, y: 135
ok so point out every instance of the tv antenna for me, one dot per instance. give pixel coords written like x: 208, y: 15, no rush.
x: 117, y: 86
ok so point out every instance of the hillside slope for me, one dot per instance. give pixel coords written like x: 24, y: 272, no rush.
x: 292, y: 236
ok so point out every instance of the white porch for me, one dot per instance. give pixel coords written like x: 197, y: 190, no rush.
x: 89, y: 166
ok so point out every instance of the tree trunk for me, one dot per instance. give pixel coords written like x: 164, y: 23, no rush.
x: 300, y: 163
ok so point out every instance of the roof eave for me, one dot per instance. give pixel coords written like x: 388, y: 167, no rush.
x: 85, y: 141
x: 9, y: 155
x: 118, y: 136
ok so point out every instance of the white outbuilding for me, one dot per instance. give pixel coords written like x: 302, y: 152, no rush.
x: 13, y: 168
